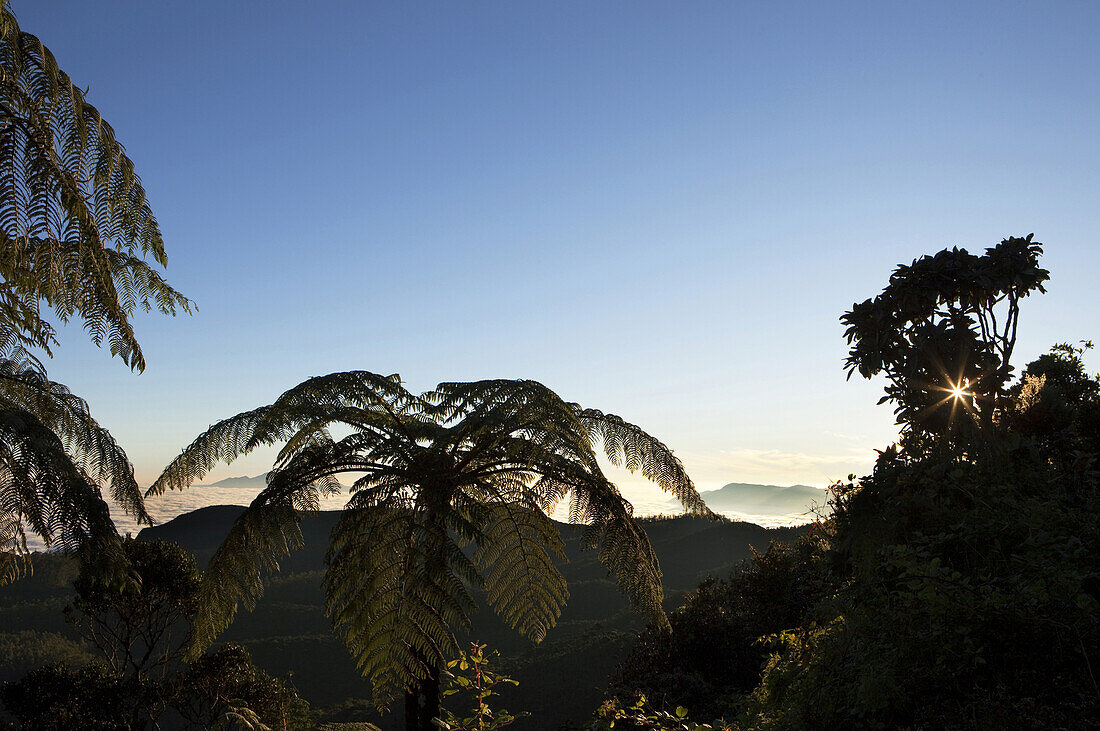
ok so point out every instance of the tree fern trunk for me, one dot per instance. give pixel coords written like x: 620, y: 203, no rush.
x: 422, y: 704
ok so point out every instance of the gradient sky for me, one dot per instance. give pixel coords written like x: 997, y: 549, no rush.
x: 657, y: 209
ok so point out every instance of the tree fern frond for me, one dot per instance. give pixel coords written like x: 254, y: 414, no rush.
x: 391, y: 597
x: 41, y: 489
x: 624, y: 548
x: 627, y: 445
x: 14, y: 554
x: 222, y: 442
x: 523, y: 584
x: 91, y: 446
x: 307, y: 403
x: 75, y: 224
x: 266, y: 532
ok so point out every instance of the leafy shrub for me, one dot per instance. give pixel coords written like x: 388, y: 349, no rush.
x: 471, y: 674
x: 643, y: 716
x: 227, y: 682
x: 711, y: 656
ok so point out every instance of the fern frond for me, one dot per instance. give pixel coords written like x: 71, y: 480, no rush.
x: 627, y: 445
x: 316, y: 402
x: 237, y: 716
x: 86, y: 442
x: 524, y: 586
x: 266, y: 532
x: 624, y: 548
x: 391, y: 595
x: 14, y: 554
x: 43, y: 491
x: 222, y: 442
x: 75, y: 224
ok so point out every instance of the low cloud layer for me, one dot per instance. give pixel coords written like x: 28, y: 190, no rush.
x: 710, y: 471
x: 775, y: 466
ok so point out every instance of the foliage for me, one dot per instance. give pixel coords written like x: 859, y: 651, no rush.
x: 75, y: 228
x: 75, y: 225
x: 966, y: 562
x: 955, y: 587
x: 966, y: 585
x: 59, y: 697
x: 467, y: 464
x: 23, y: 651
x: 226, y: 688
x: 711, y: 657
x: 935, y: 328
x: 471, y: 673
x: 1057, y: 406
x: 140, y: 630
x: 47, y: 438
x: 642, y: 716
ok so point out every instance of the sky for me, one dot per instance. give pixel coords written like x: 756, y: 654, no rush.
x: 657, y: 209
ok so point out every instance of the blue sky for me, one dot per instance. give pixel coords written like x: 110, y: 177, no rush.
x: 657, y: 209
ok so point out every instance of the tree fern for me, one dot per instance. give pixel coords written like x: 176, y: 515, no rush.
x: 464, y: 465
x: 76, y: 235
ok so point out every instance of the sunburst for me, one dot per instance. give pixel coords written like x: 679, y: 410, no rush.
x: 961, y: 390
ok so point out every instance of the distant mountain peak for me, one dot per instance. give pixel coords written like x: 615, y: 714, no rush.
x: 259, y: 481
x: 756, y: 499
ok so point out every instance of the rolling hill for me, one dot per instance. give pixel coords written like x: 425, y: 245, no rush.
x: 562, y: 678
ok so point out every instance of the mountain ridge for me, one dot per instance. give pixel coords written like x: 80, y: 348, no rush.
x: 755, y: 499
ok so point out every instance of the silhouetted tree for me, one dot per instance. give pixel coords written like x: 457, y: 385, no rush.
x: 966, y: 562
x: 465, y: 464
x: 943, y: 331
x: 141, y: 629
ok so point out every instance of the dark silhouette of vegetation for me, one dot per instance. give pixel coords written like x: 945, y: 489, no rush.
x: 137, y: 678
x: 955, y: 587
x: 75, y: 228
x: 141, y: 629
x: 475, y: 465
x: 943, y: 332
x: 226, y: 688
x: 58, y: 697
x: 711, y: 657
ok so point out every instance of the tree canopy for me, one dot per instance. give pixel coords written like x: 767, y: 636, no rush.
x: 943, y: 331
